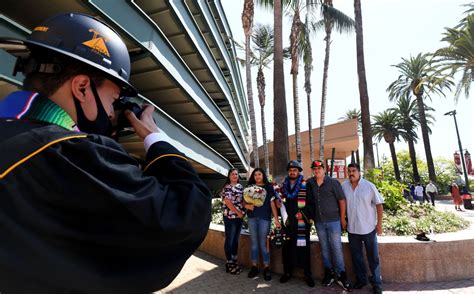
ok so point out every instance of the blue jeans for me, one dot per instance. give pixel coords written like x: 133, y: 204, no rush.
x: 232, y: 236
x: 372, y: 251
x: 329, y: 235
x: 259, y: 230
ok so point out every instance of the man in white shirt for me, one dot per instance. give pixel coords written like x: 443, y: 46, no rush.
x: 431, y: 190
x: 419, y: 192
x: 364, y: 213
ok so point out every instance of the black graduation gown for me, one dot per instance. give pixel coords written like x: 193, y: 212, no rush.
x: 78, y: 214
x: 295, y: 256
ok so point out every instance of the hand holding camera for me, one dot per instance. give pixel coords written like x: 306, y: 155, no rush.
x: 139, y: 118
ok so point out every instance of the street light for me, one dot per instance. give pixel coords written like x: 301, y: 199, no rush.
x: 453, y: 114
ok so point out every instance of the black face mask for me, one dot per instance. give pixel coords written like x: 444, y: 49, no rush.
x: 102, y: 124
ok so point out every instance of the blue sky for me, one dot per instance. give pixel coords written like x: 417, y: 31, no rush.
x: 392, y: 29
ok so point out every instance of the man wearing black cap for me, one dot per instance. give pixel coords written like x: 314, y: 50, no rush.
x: 298, y: 207
x: 329, y: 215
x: 79, y: 214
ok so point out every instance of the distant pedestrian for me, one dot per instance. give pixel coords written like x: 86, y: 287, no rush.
x: 432, y: 191
x: 457, y: 199
x: 419, y: 192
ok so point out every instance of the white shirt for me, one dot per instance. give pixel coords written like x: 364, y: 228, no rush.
x: 419, y: 191
x: 361, y: 202
x: 431, y: 188
x: 153, y: 138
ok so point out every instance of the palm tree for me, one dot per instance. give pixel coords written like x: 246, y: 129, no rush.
x: 407, y: 112
x: 419, y: 78
x: 458, y: 56
x: 387, y: 126
x: 363, y: 92
x: 308, y: 68
x: 263, y: 51
x: 295, y: 37
x: 247, y: 24
x: 280, y: 119
x: 332, y: 18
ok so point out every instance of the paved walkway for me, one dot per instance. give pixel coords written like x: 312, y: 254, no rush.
x: 203, y: 273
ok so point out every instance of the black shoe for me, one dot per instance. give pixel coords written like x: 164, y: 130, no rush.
x: 228, y: 267
x: 285, y: 278
x: 359, y: 285
x: 377, y: 289
x: 309, y: 281
x: 267, y: 276
x: 344, y: 282
x: 253, y: 272
x: 328, y: 278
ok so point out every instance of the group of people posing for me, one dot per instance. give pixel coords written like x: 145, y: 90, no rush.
x: 355, y: 206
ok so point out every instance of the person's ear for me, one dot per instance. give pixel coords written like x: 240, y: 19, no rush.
x: 79, y: 86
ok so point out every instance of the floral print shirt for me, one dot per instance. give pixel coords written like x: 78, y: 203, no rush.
x: 235, y: 195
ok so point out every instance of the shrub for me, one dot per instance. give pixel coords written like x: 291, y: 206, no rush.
x: 412, y: 219
x: 391, y: 191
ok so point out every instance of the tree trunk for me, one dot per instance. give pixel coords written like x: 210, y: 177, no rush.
x: 253, y: 125
x: 308, y: 67
x: 322, y: 127
x: 261, y: 98
x: 280, y: 119
x: 426, y: 137
x: 364, y: 95
x: 296, y: 105
x: 310, y: 128
x: 394, y: 160
x: 265, y: 146
x: 411, y: 149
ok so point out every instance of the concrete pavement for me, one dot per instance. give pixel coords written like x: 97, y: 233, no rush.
x: 203, y: 273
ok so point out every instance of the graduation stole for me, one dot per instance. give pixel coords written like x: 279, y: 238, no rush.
x: 32, y: 106
x: 299, y: 190
x: 301, y: 236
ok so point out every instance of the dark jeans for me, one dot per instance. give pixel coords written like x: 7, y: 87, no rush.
x: 432, y: 196
x: 232, y: 236
x: 372, y: 251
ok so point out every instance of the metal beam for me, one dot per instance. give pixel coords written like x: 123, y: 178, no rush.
x: 132, y: 21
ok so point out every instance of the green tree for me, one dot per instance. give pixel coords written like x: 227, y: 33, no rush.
x: 280, y: 118
x: 458, y: 56
x: 247, y: 24
x: 407, y: 112
x: 295, y: 49
x: 331, y: 18
x: 418, y: 77
x: 263, y: 41
x: 386, y: 125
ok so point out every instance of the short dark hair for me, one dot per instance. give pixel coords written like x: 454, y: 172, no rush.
x: 354, y: 164
x: 48, y: 83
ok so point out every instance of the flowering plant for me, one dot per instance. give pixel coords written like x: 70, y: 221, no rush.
x: 255, y: 195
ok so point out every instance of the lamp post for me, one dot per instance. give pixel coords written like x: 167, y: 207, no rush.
x: 453, y: 114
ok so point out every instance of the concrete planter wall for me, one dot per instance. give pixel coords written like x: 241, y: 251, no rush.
x: 404, y: 259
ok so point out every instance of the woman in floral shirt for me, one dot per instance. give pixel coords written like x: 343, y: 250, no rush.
x: 232, y: 196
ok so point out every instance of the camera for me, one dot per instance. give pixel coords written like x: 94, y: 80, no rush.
x: 120, y: 107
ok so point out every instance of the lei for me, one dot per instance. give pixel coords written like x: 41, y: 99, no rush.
x: 292, y: 194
